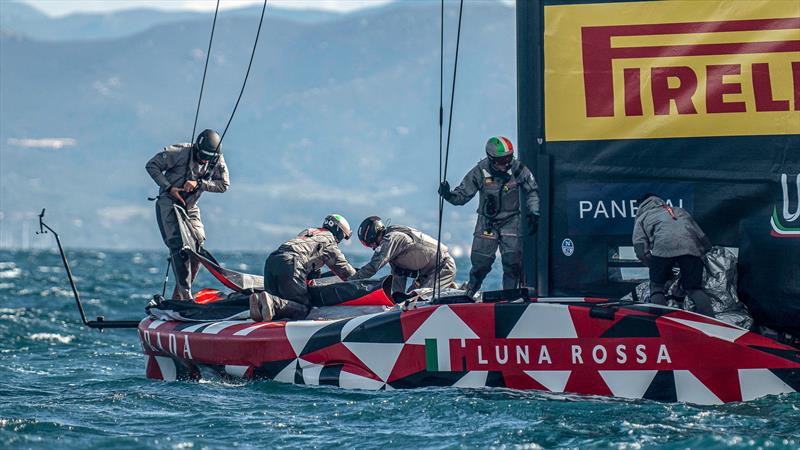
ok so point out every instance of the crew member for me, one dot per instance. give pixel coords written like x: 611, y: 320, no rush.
x: 183, y: 172
x: 287, y: 270
x: 500, y: 179
x: 409, y: 252
x: 665, y: 236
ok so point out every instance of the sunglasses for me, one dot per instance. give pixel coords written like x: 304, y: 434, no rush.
x: 503, y: 160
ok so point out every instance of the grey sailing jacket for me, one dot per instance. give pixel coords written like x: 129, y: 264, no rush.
x: 314, y: 248
x: 499, y: 192
x: 176, y: 164
x: 667, y: 231
x: 406, y: 250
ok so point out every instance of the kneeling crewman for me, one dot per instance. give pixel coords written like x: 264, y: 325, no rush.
x: 287, y: 270
x: 409, y: 252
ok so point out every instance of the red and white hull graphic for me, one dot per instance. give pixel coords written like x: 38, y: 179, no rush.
x: 632, y: 351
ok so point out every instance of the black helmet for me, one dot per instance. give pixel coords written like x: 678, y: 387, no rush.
x: 207, y: 145
x: 371, y: 231
x: 337, y: 225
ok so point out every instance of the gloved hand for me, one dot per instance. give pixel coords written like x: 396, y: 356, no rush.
x: 444, y: 190
x: 400, y: 297
x: 175, y: 193
x: 533, y: 224
x: 313, y: 275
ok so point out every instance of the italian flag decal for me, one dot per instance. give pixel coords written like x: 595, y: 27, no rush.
x: 437, y: 355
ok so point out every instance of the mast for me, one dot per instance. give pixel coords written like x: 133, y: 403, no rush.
x: 530, y: 134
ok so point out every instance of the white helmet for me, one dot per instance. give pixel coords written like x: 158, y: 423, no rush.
x: 337, y: 225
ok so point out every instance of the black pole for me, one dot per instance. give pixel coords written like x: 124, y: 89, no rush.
x: 437, y: 286
x: 68, y: 269
x: 100, y: 323
x: 166, y: 276
x: 530, y: 130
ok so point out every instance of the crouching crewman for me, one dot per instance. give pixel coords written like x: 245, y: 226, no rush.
x: 287, y: 269
x: 665, y: 236
x: 409, y: 252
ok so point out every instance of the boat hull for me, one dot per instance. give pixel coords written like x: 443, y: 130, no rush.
x: 633, y: 351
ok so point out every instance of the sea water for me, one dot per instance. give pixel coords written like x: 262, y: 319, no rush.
x: 65, y: 386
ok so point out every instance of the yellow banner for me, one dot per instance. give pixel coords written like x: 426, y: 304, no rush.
x: 675, y: 68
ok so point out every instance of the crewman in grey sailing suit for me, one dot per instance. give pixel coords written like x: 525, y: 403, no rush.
x: 665, y: 236
x: 409, y: 252
x: 183, y: 172
x: 287, y: 270
x: 500, y: 179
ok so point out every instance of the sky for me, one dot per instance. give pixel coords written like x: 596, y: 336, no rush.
x: 64, y: 7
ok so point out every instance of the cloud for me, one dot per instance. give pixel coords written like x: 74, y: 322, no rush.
x: 277, y: 229
x: 198, y: 54
x: 55, y: 143
x: 108, y: 86
x: 397, y: 212
x: 309, y: 191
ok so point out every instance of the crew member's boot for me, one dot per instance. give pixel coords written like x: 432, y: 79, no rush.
x: 183, y: 281
x: 262, y: 308
x: 702, y: 302
x: 657, y: 294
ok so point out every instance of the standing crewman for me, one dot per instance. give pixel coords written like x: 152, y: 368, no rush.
x: 409, y: 252
x: 500, y: 179
x: 183, y: 172
x: 665, y: 236
x: 288, y: 269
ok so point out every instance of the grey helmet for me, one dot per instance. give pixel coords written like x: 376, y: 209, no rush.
x: 207, y: 146
x: 338, y: 225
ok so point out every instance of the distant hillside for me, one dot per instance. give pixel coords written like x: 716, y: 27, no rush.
x: 339, y: 115
x: 24, y: 19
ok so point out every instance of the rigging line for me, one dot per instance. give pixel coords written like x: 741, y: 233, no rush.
x: 453, y: 91
x: 441, y: 84
x: 246, y: 75
x: 205, y: 69
x: 437, y: 285
x: 450, y: 125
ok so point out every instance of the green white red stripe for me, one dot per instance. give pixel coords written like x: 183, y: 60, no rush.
x: 779, y: 230
x: 437, y: 355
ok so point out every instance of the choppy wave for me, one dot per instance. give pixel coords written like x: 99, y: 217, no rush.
x: 52, y: 337
x: 12, y: 272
